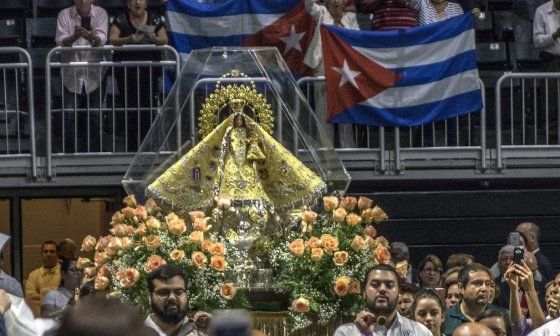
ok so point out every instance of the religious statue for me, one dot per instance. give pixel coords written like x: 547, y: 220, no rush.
x: 238, y: 161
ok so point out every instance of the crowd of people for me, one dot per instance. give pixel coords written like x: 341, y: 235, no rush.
x: 518, y: 295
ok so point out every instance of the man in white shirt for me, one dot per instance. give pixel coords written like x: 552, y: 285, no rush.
x: 380, y: 316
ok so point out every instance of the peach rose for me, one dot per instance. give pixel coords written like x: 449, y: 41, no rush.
x: 218, y: 263
x: 330, y: 243
x: 128, y: 277
x: 118, y: 230
x: 171, y: 216
x: 313, y: 242
x: 330, y: 203
x: 341, y: 286
x: 402, y: 268
x: 379, y: 215
x: 177, y: 226
x: 354, y: 287
x: 316, y: 253
x: 83, y: 263
x: 141, y: 230
x: 100, y: 258
x: 364, y: 203
x: 370, y: 242
x: 309, y: 217
x: 196, y: 237
x: 353, y: 219
x: 141, y: 213
x: 224, y: 203
x: 129, y: 230
x: 297, y: 247
x: 201, y: 224
x: 103, y: 271
x: 300, y: 305
x: 90, y: 272
x: 117, y: 218
x: 153, y: 224
x: 348, y: 203
x: 218, y: 249
x: 206, y: 245
x: 382, y: 254
x: 154, y: 262
x: 128, y: 212
x: 199, y: 259
x: 358, y: 243
x: 88, y: 244
x: 151, y: 206
x: 228, y: 291
x: 370, y: 231
x: 152, y: 241
x: 339, y: 215
x: 130, y: 201
x: 367, y: 215
x: 101, y: 283
x: 177, y: 255
x: 196, y: 214
x: 340, y: 258
x: 127, y: 244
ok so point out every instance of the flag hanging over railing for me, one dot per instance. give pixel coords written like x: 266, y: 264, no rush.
x: 401, y: 77
x: 284, y: 24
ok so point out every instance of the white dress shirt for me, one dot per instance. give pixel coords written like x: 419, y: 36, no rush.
x: 547, y: 20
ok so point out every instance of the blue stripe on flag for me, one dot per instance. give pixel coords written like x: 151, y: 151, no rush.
x: 231, y: 7
x: 412, y: 115
x: 186, y: 43
x: 406, y: 37
x: 436, y: 71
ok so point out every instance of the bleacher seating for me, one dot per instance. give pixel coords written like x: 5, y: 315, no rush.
x: 11, y: 33
x: 503, y: 25
x: 525, y: 56
x: 15, y: 8
x: 41, y: 32
x: 485, y: 27
x: 155, y: 5
x: 50, y: 8
x: 492, y: 56
x: 113, y: 7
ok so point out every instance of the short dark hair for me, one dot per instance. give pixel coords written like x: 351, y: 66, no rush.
x: 49, y: 242
x: 491, y: 312
x: 408, y: 288
x: 458, y: 259
x: 464, y: 275
x: 427, y: 293
x: 381, y: 267
x: 164, y: 272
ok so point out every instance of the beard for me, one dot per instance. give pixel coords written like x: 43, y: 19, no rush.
x: 171, y: 313
x: 376, y: 309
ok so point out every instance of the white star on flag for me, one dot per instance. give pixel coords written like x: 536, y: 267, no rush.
x: 292, y: 40
x: 347, y: 75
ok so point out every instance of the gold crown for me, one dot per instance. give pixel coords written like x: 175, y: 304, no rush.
x: 237, y: 105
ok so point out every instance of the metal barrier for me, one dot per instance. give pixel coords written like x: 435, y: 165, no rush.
x: 533, y: 116
x: 116, y: 100
x: 458, y: 133
x: 17, y: 121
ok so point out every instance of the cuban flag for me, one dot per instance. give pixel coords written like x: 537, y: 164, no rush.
x: 401, y: 77
x: 284, y: 24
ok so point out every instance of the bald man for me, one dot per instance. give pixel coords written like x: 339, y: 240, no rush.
x: 538, y: 287
x: 473, y: 329
x: 531, y: 235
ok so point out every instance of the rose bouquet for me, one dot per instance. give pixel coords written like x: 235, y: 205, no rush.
x: 323, y: 263
x: 142, y: 238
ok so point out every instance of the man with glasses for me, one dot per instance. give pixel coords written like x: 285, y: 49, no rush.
x: 169, y: 300
x: 475, y: 285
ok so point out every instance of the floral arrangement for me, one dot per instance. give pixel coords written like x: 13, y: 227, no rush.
x: 324, y: 262
x: 143, y: 237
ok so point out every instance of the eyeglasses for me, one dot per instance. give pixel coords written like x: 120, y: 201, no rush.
x: 165, y: 293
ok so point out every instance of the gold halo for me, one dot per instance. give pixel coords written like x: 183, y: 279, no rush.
x: 221, y: 98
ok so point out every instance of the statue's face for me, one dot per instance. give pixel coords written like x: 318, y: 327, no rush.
x: 239, y: 121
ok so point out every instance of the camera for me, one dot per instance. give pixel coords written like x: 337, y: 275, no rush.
x: 518, y: 254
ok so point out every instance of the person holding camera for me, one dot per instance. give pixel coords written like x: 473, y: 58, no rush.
x: 82, y: 25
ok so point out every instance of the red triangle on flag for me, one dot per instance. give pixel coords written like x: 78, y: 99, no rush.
x: 291, y: 34
x: 351, y: 77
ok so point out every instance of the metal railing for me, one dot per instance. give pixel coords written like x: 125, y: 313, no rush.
x: 461, y: 133
x: 532, y: 117
x: 17, y: 109
x: 114, y: 109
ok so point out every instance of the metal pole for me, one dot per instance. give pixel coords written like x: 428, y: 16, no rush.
x: 398, y: 150
x: 48, y: 110
x: 382, y: 159
x: 483, y: 163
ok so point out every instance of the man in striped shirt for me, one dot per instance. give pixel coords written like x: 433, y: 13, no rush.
x: 388, y: 14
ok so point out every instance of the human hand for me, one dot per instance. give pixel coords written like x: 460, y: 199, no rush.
x: 151, y: 37
x: 202, y: 320
x: 80, y: 31
x: 525, y: 276
x: 135, y: 38
x: 477, y: 13
x: 364, y: 319
x: 5, y: 302
x: 511, y: 277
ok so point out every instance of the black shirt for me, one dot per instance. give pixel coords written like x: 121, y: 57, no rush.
x: 125, y: 26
